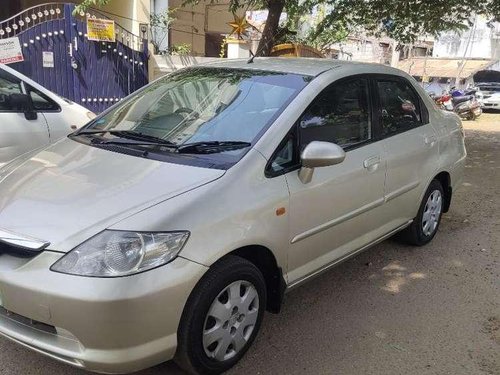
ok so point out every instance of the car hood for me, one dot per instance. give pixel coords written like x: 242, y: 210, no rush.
x: 69, y: 192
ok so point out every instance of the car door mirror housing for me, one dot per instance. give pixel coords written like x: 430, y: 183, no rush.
x: 23, y: 103
x: 319, y: 154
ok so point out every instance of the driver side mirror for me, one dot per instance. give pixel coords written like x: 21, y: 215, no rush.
x: 23, y: 103
x: 319, y: 154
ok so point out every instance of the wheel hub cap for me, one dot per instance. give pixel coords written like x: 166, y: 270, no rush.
x: 432, y: 212
x: 230, y: 320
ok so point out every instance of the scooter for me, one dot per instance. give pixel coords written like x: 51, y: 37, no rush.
x: 467, y: 107
x: 469, y: 91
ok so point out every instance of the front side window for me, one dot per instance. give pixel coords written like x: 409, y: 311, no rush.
x: 201, y: 106
x: 340, y: 114
x: 399, y: 106
x: 8, y: 85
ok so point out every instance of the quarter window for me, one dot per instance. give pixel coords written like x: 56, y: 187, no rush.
x: 399, y: 106
x: 285, y: 157
x: 41, y: 102
x: 340, y: 114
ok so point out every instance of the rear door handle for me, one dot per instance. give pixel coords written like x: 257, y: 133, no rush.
x: 371, y: 163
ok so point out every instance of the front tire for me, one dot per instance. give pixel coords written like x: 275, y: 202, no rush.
x: 222, y: 317
x: 425, y: 225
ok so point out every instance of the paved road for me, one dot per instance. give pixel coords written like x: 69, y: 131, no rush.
x: 393, y: 309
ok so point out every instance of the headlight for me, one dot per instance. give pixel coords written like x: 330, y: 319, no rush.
x: 116, y: 253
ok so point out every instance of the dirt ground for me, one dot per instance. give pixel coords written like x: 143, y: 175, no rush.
x: 394, y: 309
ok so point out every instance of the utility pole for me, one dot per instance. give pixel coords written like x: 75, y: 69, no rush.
x: 461, y: 65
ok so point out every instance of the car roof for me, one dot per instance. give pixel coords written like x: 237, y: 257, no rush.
x: 302, y: 66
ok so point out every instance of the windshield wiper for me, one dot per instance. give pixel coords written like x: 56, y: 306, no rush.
x: 210, y: 147
x: 132, y: 138
x: 141, y: 138
x: 131, y: 142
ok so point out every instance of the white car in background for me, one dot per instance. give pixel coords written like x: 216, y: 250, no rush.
x: 491, y: 95
x: 32, y: 116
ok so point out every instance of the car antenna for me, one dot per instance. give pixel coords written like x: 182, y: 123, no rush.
x: 250, y: 60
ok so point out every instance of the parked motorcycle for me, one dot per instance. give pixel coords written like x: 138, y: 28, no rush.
x: 469, y: 91
x: 466, y: 106
x: 454, y: 92
x: 443, y: 101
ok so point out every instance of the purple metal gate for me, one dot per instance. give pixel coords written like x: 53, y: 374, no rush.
x: 93, y: 74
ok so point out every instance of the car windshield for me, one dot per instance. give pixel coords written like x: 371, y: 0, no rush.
x: 202, y: 105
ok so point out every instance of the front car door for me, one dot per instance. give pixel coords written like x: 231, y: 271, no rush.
x: 58, y: 125
x: 336, y: 212
x: 411, y: 146
x: 17, y: 134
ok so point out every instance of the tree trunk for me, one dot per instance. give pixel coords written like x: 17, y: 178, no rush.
x: 275, y: 7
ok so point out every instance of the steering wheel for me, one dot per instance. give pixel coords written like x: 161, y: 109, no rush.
x: 188, y: 111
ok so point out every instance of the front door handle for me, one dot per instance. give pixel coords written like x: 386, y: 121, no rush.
x: 430, y: 140
x: 371, y: 163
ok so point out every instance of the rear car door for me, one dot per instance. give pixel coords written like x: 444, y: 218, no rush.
x: 411, y: 146
x: 17, y: 134
x: 336, y: 212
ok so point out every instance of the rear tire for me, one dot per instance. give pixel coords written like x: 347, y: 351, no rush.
x: 222, y: 317
x: 425, y: 225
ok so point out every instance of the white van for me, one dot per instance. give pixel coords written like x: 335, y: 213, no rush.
x: 32, y: 116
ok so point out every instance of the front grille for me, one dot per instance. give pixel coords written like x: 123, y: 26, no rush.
x: 27, y: 321
x: 16, y: 251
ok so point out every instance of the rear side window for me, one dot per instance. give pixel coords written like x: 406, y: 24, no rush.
x: 399, y: 106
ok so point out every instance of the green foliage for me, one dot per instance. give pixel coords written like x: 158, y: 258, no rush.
x: 223, y: 48
x: 404, y: 20
x: 286, y: 34
x: 86, y: 4
x: 180, y: 49
x: 159, y: 24
x: 163, y: 19
x: 322, y: 41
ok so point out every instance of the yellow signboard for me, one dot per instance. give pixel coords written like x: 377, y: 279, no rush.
x: 100, y: 30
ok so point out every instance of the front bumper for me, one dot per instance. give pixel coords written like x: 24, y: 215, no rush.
x: 109, y: 325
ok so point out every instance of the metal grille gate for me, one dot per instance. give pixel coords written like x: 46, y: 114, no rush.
x: 93, y: 74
